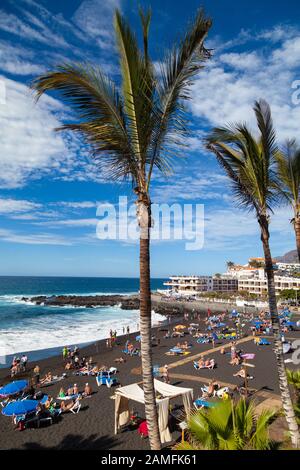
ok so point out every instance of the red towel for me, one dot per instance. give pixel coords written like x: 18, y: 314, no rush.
x: 143, y: 429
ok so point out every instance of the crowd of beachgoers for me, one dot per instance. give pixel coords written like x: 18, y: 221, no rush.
x: 215, y: 338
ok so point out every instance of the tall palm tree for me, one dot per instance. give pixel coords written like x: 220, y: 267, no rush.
x: 132, y: 130
x: 288, y: 161
x: 229, y: 426
x: 229, y: 264
x: 250, y: 165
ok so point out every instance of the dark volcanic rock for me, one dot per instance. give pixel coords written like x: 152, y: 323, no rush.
x: 126, y: 302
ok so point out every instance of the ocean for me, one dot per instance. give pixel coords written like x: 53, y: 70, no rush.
x: 41, y: 331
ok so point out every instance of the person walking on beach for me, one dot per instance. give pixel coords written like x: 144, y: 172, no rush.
x: 128, y: 330
x: 23, y: 362
x: 36, y: 374
x: 123, y: 330
x: 65, y: 352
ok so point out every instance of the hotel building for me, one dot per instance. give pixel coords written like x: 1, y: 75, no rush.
x: 194, y: 284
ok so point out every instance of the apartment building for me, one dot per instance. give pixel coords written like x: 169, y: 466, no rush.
x: 257, y: 283
x: 195, y: 284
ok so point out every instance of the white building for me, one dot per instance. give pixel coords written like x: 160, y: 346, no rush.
x: 288, y: 267
x: 257, y: 283
x: 194, y: 284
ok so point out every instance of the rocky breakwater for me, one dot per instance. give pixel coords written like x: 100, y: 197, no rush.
x: 126, y: 302
x: 88, y: 301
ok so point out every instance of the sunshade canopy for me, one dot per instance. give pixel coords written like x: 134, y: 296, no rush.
x: 13, y: 388
x: 20, y: 407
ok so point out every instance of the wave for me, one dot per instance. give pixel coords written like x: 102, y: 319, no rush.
x: 18, y: 299
x: 34, y: 336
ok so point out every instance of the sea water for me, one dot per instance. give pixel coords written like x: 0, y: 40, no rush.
x: 43, y: 330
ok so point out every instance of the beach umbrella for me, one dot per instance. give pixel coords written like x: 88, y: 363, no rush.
x: 20, y: 407
x: 13, y: 388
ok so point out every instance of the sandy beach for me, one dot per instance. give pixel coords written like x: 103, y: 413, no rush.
x: 93, y: 426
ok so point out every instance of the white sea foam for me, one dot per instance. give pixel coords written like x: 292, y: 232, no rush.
x: 53, y: 330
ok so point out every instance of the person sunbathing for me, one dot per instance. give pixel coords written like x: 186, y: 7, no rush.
x: 130, y: 348
x: 120, y: 360
x: 75, y: 389
x: 87, y: 390
x: 210, y: 364
x: 61, y: 393
x: 70, y: 391
x: 208, y: 391
x: 235, y: 361
x: 242, y: 374
x: 47, y: 378
x: 201, y: 363
x: 66, y: 406
x: 48, y: 403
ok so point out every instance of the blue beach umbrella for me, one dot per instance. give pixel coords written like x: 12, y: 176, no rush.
x: 20, y: 407
x: 13, y: 388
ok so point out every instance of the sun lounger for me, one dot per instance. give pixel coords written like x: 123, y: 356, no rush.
x: 203, y: 340
x: 68, y: 397
x: 201, y: 403
x: 262, y: 342
x: 104, y: 378
x: 135, y: 352
x: 76, y: 407
x: 196, y: 366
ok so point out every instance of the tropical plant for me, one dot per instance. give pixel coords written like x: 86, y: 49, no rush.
x: 294, y: 380
x: 229, y: 426
x: 288, y: 167
x: 250, y: 164
x: 230, y: 264
x: 133, y: 130
x: 293, y: 377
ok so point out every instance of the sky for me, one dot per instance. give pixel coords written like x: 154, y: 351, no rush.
x: 49, y: 186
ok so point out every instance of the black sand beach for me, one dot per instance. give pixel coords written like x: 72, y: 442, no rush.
x: 93, y: 426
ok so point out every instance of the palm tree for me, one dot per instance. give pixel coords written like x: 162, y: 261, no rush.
x: 250, y: 165
x: 230, y: 264
x: 131, y: 131
x: 229, y: 426
x: 288, y: 161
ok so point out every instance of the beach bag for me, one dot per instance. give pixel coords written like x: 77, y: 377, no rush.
x: 143, y: 429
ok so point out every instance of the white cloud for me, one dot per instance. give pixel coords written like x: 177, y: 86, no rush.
x: 9, y: 206
x: 18, y: 60
x: 95, y: 18
x: 78, y: 204
x: 70, y: 223
x: 33, y: 239
x: 227, y: 88
x: 28, y: 143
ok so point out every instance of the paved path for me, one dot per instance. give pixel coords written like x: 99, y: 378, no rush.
x: 188, y: 359
x: 270, y: 401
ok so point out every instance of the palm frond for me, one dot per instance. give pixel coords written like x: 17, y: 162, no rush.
x: 176, y: 76
x: 288, y: 167
x: 100, y: 115
x: 136, y: 85
x: 248, y: 162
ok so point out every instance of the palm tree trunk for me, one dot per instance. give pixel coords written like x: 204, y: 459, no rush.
x: 145, y: 329
x: 297, y: 233
x: 283, y: 382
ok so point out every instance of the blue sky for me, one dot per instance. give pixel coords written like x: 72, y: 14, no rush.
x: 48, y: 186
